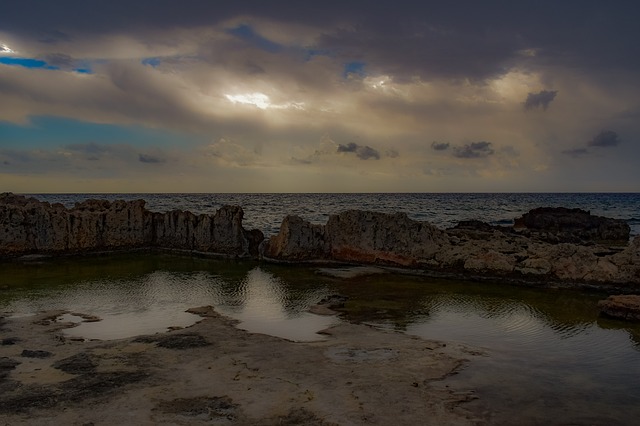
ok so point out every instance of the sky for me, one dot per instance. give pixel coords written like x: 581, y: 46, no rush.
x: 332, y: 96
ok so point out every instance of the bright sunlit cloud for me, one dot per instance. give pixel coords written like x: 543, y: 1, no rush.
x: 262, y: 101
x: 4, y: 49
x: 256, y: 99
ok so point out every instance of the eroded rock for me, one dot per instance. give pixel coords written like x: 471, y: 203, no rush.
x: 30, y: 226
x: 473, y: 248
x: 357, y: 236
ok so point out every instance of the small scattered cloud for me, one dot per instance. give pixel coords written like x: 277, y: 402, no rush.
x: 542, y: 99
x: 606, y: 138
x: 473, y: 150
x: 87, y: 148
x: 576, y: 153
x: 150, y: 159
x: 392, y: 153
x: 364, y: 152
x: 439, y: 146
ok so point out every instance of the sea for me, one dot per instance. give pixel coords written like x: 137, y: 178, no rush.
x: 266, y: 211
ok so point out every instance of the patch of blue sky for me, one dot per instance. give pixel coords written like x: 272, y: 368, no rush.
x: 354, y: 68
x: 84, y: 66
x: 26, y: 63
x: 248, y: 34
x: 152, y: 62
x: 46, y: 132
x: 83, y: 70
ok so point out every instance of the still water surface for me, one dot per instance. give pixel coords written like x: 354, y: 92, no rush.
x: 547, y: 354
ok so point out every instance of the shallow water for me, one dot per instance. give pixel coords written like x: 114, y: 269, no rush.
x: 547, y: 354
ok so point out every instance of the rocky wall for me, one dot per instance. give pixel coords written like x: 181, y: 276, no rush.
x: 473, y: 249
x: 31, y: 226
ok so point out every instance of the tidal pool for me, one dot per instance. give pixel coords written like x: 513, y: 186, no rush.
x: 547, y: 356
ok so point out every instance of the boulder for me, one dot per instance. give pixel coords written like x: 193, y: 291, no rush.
x: 560, y: 224
x: 626, y: 307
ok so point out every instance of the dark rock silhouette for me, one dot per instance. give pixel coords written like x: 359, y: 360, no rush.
x: 560, y: 224
x: 31, y: 226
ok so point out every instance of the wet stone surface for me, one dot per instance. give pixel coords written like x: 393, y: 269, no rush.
x: 27, y: 353
x: 75, y: 390
x: 80, y: 363
x: 204, y: 408
x: 175, y: 341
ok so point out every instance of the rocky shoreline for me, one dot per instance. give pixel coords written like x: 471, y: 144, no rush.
x: 215, y: 373
x: 545, y: 247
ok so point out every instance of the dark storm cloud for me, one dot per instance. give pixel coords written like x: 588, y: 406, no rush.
x: 606, y: 138
x: 363, y: 152
x: 473, y: 150
x: 468, y: 39
x: 541, y: 99
x: 439, y: 146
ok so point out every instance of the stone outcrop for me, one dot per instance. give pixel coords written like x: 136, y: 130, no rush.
x: 626, y: 307
x: 359, y: 237
x: 31, y: 226
x: 472, y: 248
x: 559, y: 224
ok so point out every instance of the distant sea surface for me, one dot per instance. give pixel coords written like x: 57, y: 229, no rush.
x: 266, y: 211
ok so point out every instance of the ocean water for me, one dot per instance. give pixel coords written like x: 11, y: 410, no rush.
x: 266, y: 211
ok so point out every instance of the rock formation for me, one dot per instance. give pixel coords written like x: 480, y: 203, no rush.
x: 472, y: 249
x: 559, y: 224
x: 359, y: 237
x: 539, y: 252
x: 626, y: 307
x: 31, y: 226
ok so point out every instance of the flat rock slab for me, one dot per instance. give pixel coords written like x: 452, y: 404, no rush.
x: 215, y: 373
x: 350, y: 271
x: 625, y: 307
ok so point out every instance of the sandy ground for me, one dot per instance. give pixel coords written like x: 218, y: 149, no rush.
x: 215, y: 373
